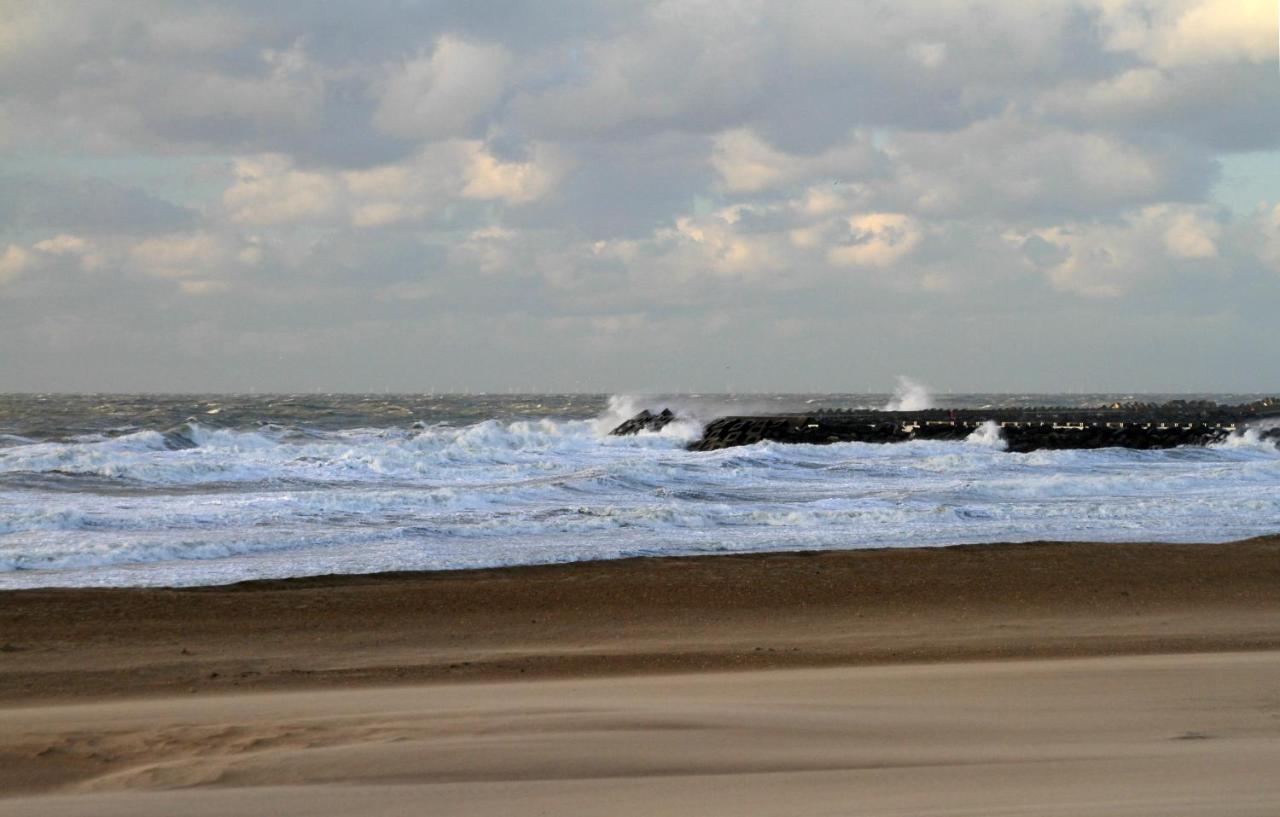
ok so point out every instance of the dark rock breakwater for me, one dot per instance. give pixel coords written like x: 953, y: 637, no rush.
x: 1127, y: 425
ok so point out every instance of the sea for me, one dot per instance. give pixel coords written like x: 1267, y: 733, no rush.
x: 181, y: 490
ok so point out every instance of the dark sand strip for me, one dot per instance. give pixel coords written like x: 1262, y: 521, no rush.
x: 643, y: 616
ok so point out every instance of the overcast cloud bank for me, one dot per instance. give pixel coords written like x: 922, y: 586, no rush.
x: 685, y: 195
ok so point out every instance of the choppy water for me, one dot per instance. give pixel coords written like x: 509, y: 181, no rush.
x: 94, y: 492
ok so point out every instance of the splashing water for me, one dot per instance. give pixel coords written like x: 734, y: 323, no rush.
x: 909, y: 395
x: 989, y: 435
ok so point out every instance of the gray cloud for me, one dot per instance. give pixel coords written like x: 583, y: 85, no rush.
x: 820, y: 194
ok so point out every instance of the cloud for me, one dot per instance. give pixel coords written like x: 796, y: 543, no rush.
x: 1110, y: 260
x: 876, y: 240
x: 13, y: 262
x: 61, y: 244
x: 516, y: 182
x: 268, y: 190
x: 1263, y: 232
x: 1199, y: 70
x: 178, y: 255
x: 197, y: 263
x: 59, y: 251
x: 692, y: 65
x: 443, y: 94
x: 103, y: 76
x: 902, y: 178
x: 1011, y: 167
x: 721, y: 249
x: 1173, y: 33
x: 280, y: 98
x: 1229, y: 106
x: 1187, y: 234
x: 747, y: 164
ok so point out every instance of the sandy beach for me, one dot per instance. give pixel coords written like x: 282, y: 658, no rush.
x: 630, y: 409
x: 1036, y: 679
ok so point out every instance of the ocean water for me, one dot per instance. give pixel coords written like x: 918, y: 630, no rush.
x: 124, y: 491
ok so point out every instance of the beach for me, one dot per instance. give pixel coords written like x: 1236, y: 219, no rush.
x: 1043, y: 678
x: 629, y: 409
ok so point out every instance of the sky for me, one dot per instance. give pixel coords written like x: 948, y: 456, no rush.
x: 611, y: 196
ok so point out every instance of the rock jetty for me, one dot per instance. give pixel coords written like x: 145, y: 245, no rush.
x: 1126, y: 425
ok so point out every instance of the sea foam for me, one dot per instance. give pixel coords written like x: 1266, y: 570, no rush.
x: 280, y: 500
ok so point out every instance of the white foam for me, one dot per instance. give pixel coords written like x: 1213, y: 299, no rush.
x: 909, y: 395
x: 1250, y: 439
x: 275, y: 502
x: 989, y: 435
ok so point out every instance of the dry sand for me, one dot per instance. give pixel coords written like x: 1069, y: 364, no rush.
x: 1131, y: 680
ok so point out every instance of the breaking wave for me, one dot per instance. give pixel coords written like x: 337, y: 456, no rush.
x: 909, y: 395
x: 988, y: 434
x: 196, y: 504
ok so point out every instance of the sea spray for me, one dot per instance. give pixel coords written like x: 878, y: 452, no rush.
x: 1264, y: 436
x: 909, y: 395
x: 989, y: 435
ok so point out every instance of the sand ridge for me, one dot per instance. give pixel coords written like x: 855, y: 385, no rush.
x: 1124, y: 735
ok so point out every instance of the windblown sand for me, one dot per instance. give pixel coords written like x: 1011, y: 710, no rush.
x: 1043, y: 679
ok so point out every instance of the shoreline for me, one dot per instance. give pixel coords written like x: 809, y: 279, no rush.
x: 382, y: 576
x: 643, y: 616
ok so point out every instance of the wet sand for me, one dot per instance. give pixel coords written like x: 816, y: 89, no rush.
x: 1003, y: 679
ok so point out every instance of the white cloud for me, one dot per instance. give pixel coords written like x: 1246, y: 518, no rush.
x: 1264, y: 228
x: 443, y: 94
x: 747, y: 164
x: 406, y: 191
x: 930, y: 55
x: 807, y: 241
x: 61, y: 244
x: 268, y: 190
x: 1009, y: 166
x: 736, y: 163
x: 1187, y: 234
x: 1172, y: 33
x: 492, y: 251
x: 724, y: 250
x: 876, y: 240
x: 90, y: 257
x: 17, y: 260
x: 13, y: 262
x: 1143, y: 88
x: 514, y: 182
x: 203, y: 287
x: 181, y: 255
x: 382, y: 213
x: 1096, y: 265
x: 1108, y: 260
